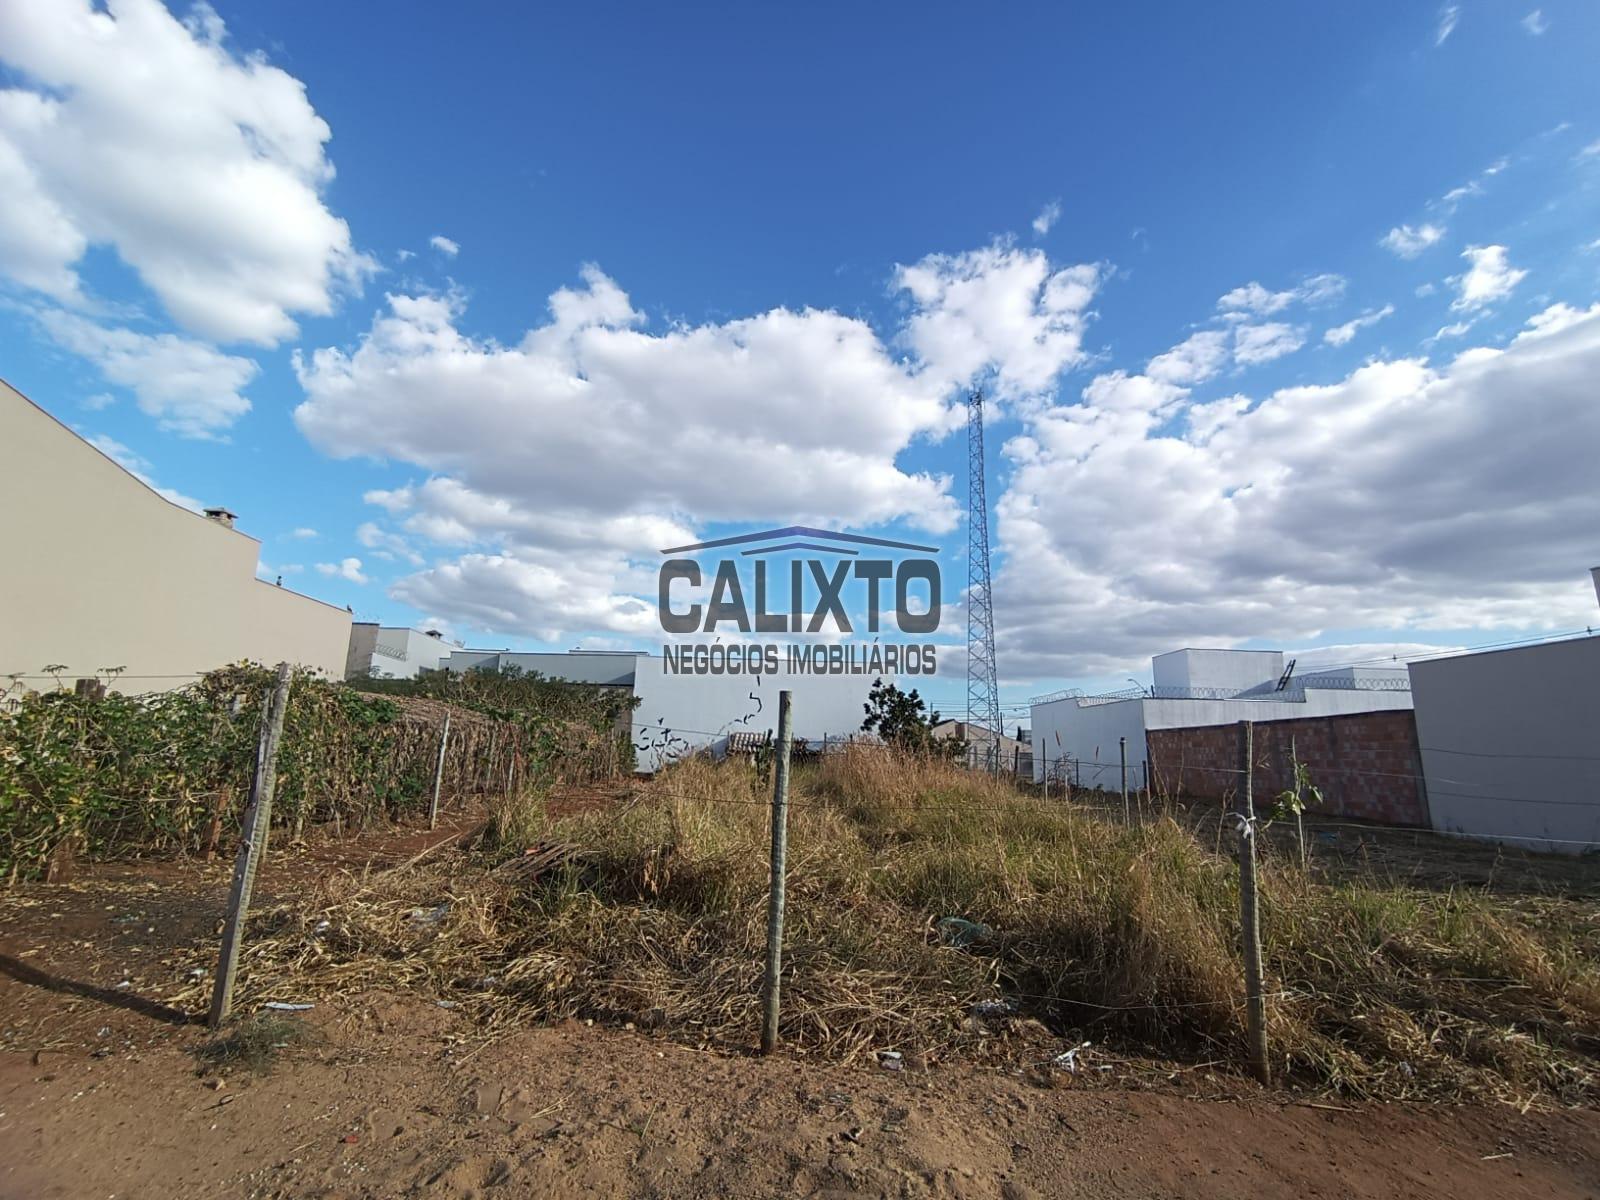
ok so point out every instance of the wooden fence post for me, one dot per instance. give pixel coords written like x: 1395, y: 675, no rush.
x: 253, y: 846
x: 1250, y: 914
x: 438, y: 773
x: 780, y: 854
x: 1299, y: 803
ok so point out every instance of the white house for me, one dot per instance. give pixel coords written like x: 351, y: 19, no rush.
x: 680, y: 713
x: 394, y: 651
x: 1083, y: 734
x: 1510, y: 743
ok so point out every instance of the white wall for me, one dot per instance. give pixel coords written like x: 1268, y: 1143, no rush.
x: 1317, y: 702
x: 400, y: 653
x: 1073, y: 729
x: 1379, y: 676
x: 98, y: 570
x: 1234, y: 670
x: 681, y: 713
x: 1510, y: 743
x: 1064, y: 729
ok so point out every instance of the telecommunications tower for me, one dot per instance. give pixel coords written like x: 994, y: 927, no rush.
x: 983, y: 689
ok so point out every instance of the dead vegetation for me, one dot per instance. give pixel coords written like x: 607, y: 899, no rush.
x: 1070, y: 924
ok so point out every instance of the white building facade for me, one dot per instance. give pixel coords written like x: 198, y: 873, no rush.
x: 679, y: 714
x: 1085, y: 735
x: 395, y: 652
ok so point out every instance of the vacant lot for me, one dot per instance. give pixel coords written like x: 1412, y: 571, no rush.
x: 450, y: 1049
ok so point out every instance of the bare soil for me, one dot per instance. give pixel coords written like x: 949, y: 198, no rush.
x: 102, y: 1093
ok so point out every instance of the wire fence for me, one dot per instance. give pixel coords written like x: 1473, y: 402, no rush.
x: 90, y: 772
x: 483, y: 758
x: 1066, y: 814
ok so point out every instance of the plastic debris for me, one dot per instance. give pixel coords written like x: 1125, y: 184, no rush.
x: 430, y: 916
x: 285, y: 1006
x: 992, y: 1009
x: 1069, y: 1059
x: 891, y: 1060
x: 960, y: 932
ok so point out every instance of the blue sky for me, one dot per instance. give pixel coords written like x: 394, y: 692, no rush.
x: 788, y: 241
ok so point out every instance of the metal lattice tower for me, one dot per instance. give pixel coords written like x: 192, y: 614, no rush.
x: 983, y: 689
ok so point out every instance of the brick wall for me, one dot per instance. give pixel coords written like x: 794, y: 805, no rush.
x: 1366, y: 764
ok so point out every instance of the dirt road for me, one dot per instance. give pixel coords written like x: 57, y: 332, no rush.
x: 398, y: 1101
x: 102, y: 1095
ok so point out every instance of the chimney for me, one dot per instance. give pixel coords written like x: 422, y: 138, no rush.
x: 221, y: 516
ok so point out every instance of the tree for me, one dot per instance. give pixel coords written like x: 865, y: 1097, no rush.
x: 902, y: 719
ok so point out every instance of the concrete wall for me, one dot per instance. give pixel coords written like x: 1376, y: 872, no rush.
x: 1511, y: 743
x: 98, y: 570
x: 678, y: 714
x: 400, y: 653
x: 615, y: 669
x: 1366, y: 764
x: 1078, y: 742
x: 363, y: 641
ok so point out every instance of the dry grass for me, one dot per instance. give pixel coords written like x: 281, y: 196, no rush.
x: 254, y: 1043
x: 654, y: 913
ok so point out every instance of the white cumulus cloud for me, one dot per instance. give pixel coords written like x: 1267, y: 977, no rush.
x: 1254, y: 344
x: 346, y: 568
x: 1254, y: 298
x: 1125, y: 531
x: 998, y: 308
x: 563, y: 463
x: 1408, y: 241
x: 203, y: 169
x: 1047, y: 218
x: 1489, y: 278
x: 386, y: 544
x: 1194, y: 360
x: 444, y: 245
x: 189, y: 387
x: 1339, y: 335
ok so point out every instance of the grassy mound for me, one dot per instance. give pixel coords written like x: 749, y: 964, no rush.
x: 655, y: 914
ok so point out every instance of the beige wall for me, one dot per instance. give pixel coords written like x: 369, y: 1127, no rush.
x: 97, y: 570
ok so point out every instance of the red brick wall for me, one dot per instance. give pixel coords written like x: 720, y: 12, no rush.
x: 1366, y: 764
